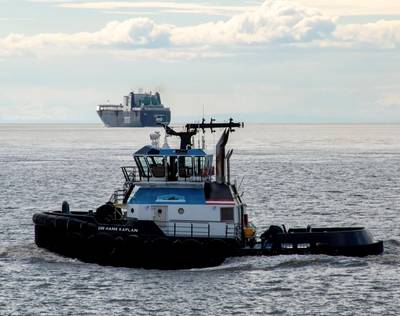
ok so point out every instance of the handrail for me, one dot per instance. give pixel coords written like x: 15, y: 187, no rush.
x: 118, y: 197
x: 131, y: 174
x: 193, y: 229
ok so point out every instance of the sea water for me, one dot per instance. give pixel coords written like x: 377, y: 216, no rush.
x: 327, y: 175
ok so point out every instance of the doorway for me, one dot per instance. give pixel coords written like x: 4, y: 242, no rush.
x: 160, y: 213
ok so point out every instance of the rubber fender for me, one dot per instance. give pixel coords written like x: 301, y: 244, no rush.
x: 177, y: 247
x: 191, y: 245
x: 90, y: 246
x: 91, y: 239
x: 61, y: 223
x: 162, y: 247
x: 177, y: 243
x: 39, y: 219
x: 217, y: 244
x: 134, y: 240
x: 119, y: 242
x: 88, y: 228
x: 158, y: 254
x: 76, y: 238
x: 41, y: 236
x: 74, y: 244
x: 148, y: 244
x: 193, y: 254
x: 233, y: 246
x: 119, y: 245
x: 104, y: 243
x: 217, y: 247
x: 134, y: 250
x: 162, y: 244
x: 50, y: 221
x: 74, y: 225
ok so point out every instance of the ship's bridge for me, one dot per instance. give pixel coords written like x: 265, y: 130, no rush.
x: 158, y: 164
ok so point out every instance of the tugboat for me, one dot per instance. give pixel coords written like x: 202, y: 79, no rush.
x: 176, y: 211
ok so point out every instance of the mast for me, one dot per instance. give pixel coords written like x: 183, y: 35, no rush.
x: 193, y: 128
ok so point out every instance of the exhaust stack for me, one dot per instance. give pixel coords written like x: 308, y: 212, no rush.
x: 220, y: 157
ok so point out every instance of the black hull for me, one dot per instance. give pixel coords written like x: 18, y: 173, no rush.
x: 372, y: 249
x: 143, y: 244
x: 138, y: 245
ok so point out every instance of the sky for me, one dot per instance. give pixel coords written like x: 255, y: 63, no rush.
x: 275, y: 61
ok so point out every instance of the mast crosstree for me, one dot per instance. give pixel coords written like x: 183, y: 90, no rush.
x: 193, y: 128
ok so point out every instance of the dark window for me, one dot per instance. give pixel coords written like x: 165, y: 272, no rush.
x: 185, y: 166
x: 157, y: 166
x: 227, y: 214
x: 199, y: 166
x: 172, y: 168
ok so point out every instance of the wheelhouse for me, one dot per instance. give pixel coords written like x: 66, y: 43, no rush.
x: 193, y: 165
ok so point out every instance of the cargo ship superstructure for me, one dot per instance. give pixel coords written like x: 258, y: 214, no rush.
x: 137, y: 110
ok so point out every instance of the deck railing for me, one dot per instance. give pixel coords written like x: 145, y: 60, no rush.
x: 201, y: 230
x: 132, y: 174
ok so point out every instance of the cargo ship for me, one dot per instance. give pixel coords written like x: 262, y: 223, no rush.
x: 137, y: 110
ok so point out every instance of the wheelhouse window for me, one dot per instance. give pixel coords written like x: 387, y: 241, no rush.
x: 142, y: 165
x: 172, y: 168
x: 157, y: 166
x: 199, y: 163
x: 185, y: 166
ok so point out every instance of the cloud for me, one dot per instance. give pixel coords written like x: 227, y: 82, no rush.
x: 272, y: 23
x: 167, y: 6
x: 354, y: 8
x: 337, y: 7
x: 139, y: 32
x: 389, y: 101
x: 384, y: 34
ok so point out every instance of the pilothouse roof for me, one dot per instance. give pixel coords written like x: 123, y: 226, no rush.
x: 153, y: 151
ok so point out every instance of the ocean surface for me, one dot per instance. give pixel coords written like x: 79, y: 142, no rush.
x: 289, y: 174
